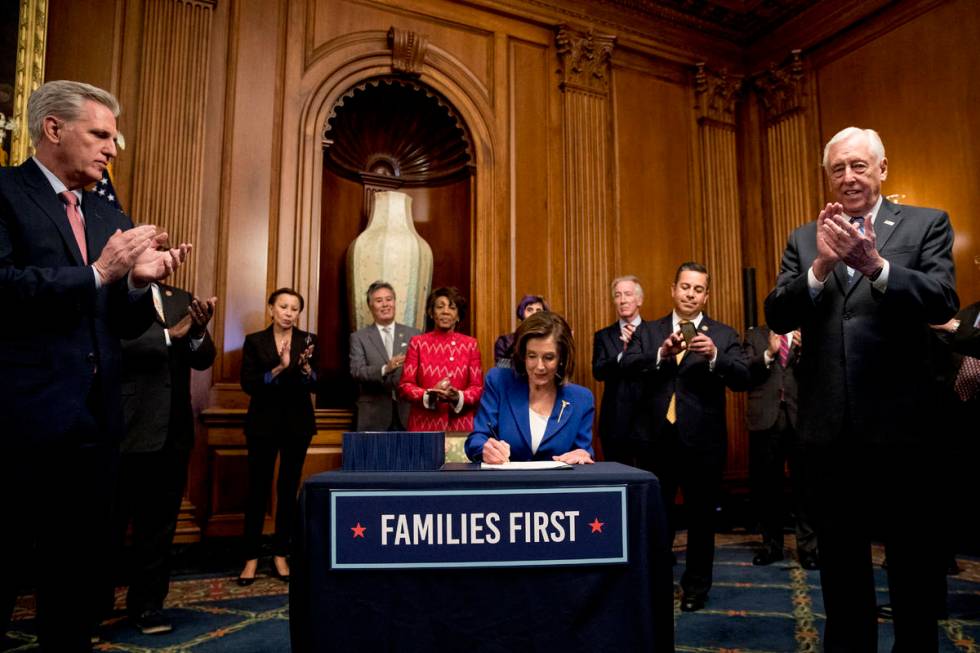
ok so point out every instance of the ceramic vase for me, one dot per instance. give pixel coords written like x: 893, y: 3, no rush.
x: 390, y: 249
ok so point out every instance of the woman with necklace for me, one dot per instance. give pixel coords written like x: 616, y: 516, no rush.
x: 278, y: 375
x: 531, y: 412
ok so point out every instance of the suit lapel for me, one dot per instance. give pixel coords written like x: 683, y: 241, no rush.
x: 563, y: 409
x: 519, y: 406
x: 97, y: 229
x: 374, y: 337
x: 886, y: 223
x: 40, y: 191
x: 612, y: 337
x: 402, y: 336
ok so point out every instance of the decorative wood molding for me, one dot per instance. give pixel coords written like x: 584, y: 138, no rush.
x: 584, y: 59
x: 408, y: 51
x: 590, y: 226
x: 716, y: 94
x: 29, y: 73
x: 396, y: 128
x: 782, y: 88
x: 793, y: 179
x: 168, y: 179
x: 331, y: 76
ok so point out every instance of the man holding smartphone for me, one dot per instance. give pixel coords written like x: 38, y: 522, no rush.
x: 683, y: 424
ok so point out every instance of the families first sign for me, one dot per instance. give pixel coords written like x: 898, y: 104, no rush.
x: 477, y: 528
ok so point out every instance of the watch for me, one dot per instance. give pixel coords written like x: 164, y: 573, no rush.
x: 877, y: 273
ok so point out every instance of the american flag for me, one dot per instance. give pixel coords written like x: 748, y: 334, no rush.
x: 105, y: 190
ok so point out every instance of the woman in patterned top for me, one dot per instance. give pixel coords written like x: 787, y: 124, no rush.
x: 442, y: 377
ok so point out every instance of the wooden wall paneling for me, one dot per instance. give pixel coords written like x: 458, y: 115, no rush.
x: 463, y: 32
x: 654, y: 178
x: 246, y: 188
x: 342, y: 65
x: 918, y: 85
x: 792, y: 172
x: 536, y: 239
x: 169, y: 139
x: 721, y: 244
x: 73, y: 26
x: 590, y: 225
x: 754, y: 199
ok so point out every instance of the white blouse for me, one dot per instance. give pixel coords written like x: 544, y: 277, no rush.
x: 539, y: 423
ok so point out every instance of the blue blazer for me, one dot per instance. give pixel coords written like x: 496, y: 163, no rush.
x: 503, y: 412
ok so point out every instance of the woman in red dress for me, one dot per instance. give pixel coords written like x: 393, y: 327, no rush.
x: 442, y: 378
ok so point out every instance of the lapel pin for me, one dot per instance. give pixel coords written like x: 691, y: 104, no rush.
x: 889, y: 223
x: 564, y: 404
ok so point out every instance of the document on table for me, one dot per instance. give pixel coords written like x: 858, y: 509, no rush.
x: 529, y: 464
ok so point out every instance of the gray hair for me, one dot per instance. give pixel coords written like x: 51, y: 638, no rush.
x: 63, y: 99
x: 874, y: 143
x: 376, y: 286
x: 626, y: 277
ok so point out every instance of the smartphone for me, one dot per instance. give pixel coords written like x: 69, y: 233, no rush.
x: 688, y: 330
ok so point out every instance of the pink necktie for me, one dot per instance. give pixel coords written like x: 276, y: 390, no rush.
x: 627, y: 335
x: 76, y: 221
x: 784, y: 350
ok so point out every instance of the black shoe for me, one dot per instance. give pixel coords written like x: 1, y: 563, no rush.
x: 693, y: 602
x: 283, y: 577
x: 153, y: 622
x: 767, y: 556
x: 245, y: 582
x: 809, y: 561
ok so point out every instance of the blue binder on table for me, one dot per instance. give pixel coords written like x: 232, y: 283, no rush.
x: 393, y: 451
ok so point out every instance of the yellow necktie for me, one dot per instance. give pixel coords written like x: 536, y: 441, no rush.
x: 672, y: 406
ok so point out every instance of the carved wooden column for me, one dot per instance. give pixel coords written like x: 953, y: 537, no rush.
x: 168, y: 177
x: 590, y: 227
x: 718, y: 236
x: 793, y: 169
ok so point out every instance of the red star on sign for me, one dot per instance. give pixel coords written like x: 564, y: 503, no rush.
x: 358, y: 530
x: 597, y: 525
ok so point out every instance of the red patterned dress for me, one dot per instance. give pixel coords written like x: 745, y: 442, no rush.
x: 431, y: 357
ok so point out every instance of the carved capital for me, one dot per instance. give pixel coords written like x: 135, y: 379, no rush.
x: 584, y: 59
x: 782, y: 88
x: 407, y: 51
x: 716, y: 93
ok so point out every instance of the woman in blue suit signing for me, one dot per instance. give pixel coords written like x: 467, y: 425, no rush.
x: 530, y: 412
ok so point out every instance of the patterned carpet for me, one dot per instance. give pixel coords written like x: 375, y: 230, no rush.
x: 774, y: 609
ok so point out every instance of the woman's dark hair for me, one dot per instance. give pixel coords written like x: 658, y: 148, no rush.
x: 449, y: 293
x: 526, y: 301
x: 287, y: 291
x: 543, y: 325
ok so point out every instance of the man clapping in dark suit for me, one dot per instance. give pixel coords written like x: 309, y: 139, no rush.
x: 682, y: 419
x: 620, y: 352
x: 377, y: 354
x: 159, y: 435
x: 772, y: 409
x: 73, y: 279
x: 863, y: 283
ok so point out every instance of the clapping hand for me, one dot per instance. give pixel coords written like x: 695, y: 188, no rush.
x: 775, y: 342
x: 444, y: 391
x: 304, y: 360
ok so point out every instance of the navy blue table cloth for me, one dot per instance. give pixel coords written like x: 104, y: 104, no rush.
x: 622, y: 607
